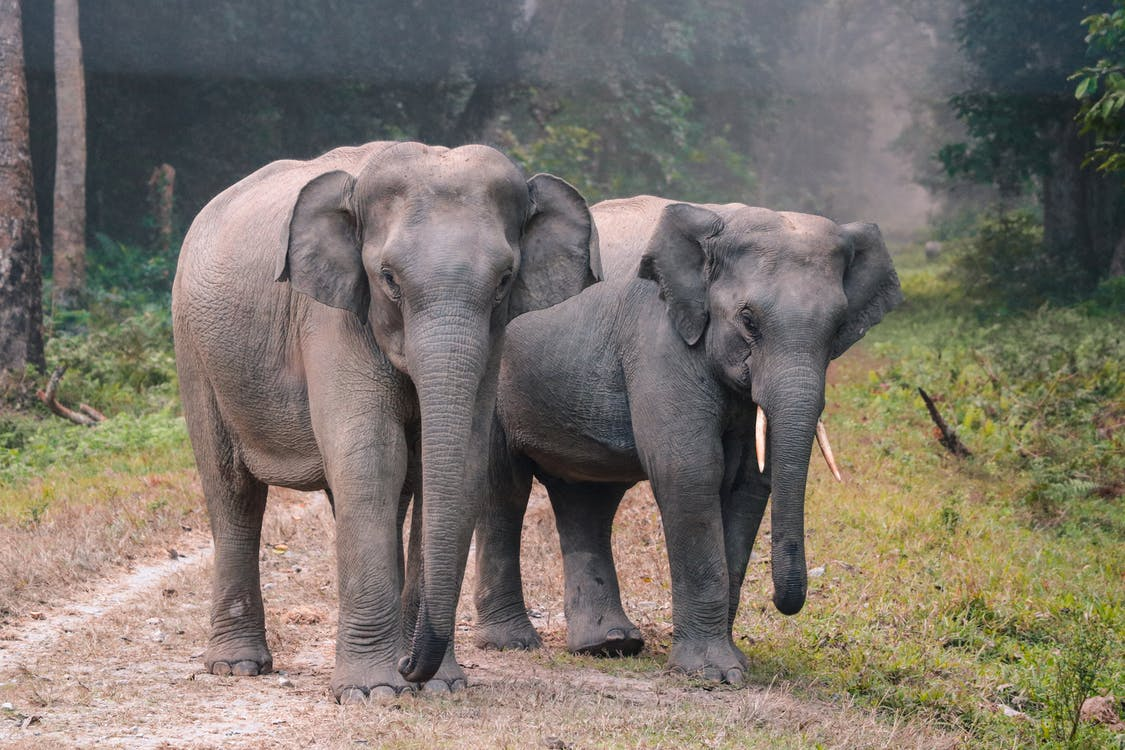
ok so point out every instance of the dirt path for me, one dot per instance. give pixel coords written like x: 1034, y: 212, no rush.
x: 121, y: 667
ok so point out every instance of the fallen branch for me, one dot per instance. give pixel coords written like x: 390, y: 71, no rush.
x: 87, y: 416
x: 948, y: 437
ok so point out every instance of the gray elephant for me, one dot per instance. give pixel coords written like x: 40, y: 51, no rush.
x: 710, y: 319
x: 370, y: 374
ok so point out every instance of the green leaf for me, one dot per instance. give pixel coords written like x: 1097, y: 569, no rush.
x: 1086, y: 86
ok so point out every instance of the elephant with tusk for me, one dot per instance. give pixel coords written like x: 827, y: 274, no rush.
x: 709, y: 318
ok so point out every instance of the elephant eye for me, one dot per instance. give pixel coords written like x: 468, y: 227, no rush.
x: 502, y: 287
x: 749, y: 325
x: 390, y: 284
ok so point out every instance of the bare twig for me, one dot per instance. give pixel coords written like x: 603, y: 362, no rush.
x: 87, y: 417
x: 948, y: 437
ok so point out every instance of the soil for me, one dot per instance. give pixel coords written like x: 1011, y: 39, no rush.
x: 119, y: 665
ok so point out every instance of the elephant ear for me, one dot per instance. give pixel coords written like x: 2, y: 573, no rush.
x: 870, y: 284
x: 558, y: 242
x: 675, y: 259
x: 322, y: 257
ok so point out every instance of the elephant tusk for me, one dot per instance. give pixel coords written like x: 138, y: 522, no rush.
x: 826, y: 449
x: 760, y: 439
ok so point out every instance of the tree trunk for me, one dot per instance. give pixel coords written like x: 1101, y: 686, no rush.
x: 161, y: 192
x: 21, y: 312
x: 70, y: 163
x: 1082, y: 217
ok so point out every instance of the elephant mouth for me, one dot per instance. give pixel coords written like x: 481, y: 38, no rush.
x: 761, y: 426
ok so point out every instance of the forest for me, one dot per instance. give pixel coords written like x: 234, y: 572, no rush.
x: 965, y: 581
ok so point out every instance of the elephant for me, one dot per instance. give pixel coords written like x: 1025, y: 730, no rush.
x: 698, y: 363
x: 338, y: 324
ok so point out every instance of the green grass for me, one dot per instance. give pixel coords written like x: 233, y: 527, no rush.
x: 126, y: 370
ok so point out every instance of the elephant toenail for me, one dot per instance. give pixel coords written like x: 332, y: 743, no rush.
x: 458, y: 685
x: 734, y: 676
x: 220, y: 668
x: 712, y: 673
x: 435, y: 686
x: 352, y: 696
x: 383, y: 693
x: 616, y: 634
x: 245, y: 669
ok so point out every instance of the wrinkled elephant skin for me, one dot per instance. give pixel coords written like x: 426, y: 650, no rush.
x: 338, y: 325
x: 707, y: 316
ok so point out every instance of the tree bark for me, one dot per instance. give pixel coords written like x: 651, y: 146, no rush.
x: 70, y: 162
x: 21, y: 312
x: 1082, y: 218
x: 161, y: 187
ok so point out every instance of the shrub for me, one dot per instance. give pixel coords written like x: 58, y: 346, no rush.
x: 1005, y: 261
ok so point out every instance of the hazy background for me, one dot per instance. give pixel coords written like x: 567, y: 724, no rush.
x: 800, y: 105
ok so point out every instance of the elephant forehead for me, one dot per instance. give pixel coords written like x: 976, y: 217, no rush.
x: 465, y: 171
x: 785, y: 236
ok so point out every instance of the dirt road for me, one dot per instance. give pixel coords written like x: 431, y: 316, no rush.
x: 120, y: 666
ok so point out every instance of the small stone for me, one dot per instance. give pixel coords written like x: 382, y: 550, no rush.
x: 284, y: 682
x: 816, y: 572
x: 37, y: 616
x: 153, y: 621
x: 6, y: 706
x: 159, y: 636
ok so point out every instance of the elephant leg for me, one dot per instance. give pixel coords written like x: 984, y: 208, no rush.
x: 367, y: 482
x: 236, y: 502
x: 595, y: 620
x: 691, y: 513
x: 744, y: 504
x: 502, y: 621
x: 410, y: 568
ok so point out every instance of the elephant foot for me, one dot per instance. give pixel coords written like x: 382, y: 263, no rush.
x: 239, y: 659
x: 358, y: 685
x: 716, y: 660
x: 604, y: 635
x: 505, y: 636
x: 450, y: 678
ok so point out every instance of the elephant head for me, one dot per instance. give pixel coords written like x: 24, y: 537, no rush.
x: 771, y: 298
x: 434, y: 250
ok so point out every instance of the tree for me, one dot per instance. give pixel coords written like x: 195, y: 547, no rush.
x: 70, y: 163
x: 1019, y: 110
x: 21, y: 316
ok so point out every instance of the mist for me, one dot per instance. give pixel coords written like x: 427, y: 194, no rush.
x: 808, y: 106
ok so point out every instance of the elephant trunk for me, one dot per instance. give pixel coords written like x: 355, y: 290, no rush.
x: 793, y: 407
x: 447, y: 363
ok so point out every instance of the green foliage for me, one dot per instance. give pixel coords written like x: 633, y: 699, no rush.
x: 1108, y: 298
x: 1003, y: 263
x: 118, y: 367
x: 1070, y: 674
x: 1018, y: 94
x: 1040, y: 393
x: 124, y: 369
x: 1101, y: 89
x: 129, y: 275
